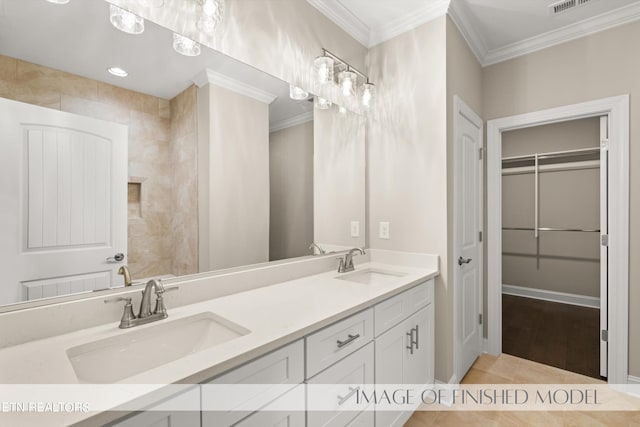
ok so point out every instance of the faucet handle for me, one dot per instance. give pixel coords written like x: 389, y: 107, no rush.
x: 127, y: 315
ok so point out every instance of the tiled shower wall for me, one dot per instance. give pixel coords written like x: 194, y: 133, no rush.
x: 158, y: 157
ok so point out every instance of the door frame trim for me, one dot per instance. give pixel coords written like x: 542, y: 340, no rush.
x: 461, y: 109
x: 617, y: 108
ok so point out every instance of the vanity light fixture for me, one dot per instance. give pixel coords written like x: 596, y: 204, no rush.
x: 185, y: 46
x: 212, y: 15
x: 297, y: 94
x: 117, y: 71
x: 58, y: 1
x: 328, y: 64
x: 125, y: 20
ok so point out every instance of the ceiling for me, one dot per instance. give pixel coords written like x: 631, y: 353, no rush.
x: 496, y: 30
x: 78, y: 38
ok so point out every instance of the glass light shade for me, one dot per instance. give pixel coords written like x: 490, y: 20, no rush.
x: 347, y: 82
x: 212, y: 15
x: 58, y: 1
x: 185, y: 46
x: 368, y: 94
x: 324, y: 69
x: 125, y: 20
x: 322, y: 104
x: 297, y: 94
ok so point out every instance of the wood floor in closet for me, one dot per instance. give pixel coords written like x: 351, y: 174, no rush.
x: 560, y: 335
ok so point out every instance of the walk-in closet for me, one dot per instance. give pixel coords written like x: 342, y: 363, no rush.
x: 553, y: 259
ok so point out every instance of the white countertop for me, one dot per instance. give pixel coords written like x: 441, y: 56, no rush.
x: 275, y: 315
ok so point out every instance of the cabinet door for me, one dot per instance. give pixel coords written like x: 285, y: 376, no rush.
x: 157, y: 418
x: 391, y: 357
x: 280, y: 413
x: 418, y: 365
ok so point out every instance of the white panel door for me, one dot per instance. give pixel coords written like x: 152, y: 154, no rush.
x: 467, y: 239
x: 63, y: 192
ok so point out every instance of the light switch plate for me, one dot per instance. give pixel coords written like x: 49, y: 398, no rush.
x: 384, y: 230
x: 355, y: 228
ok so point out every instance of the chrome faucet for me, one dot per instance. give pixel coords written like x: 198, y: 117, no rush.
x: 346, y: 264
x: 145, y: 315
x: 124, y: 271
x: 314, y: 245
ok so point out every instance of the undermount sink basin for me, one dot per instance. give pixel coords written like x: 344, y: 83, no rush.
x: 112, y: 359
x: 372, y: 276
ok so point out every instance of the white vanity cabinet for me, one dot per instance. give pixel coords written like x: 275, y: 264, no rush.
x: 405, y: 353
x: 284, y: 366
x: 158, y: 417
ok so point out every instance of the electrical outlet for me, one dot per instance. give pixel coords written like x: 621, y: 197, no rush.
x: 384, y: 230
x: 355, y: 228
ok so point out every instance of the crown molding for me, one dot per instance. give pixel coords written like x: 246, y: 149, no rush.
x: 291, y: 121
x: 605, y: 21
x: 343, y: 18
x: 382, y: 33
x: 462, y: 19
x: 208, y: 76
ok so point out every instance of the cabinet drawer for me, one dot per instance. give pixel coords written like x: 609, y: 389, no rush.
x: 283, y: 366
x: 394, y: 310
x: 336, y: 341
x: 355, y: 370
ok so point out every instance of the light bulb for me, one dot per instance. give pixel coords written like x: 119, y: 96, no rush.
x: 324, y: 69
x: 185, y: 46
x: 347, y: 82
x: 368, y: 93
x: 125, y: 20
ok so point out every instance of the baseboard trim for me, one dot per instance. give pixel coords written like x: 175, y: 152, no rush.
x: 452, y: 384
x: 633, y: 380
x: 553, y: 296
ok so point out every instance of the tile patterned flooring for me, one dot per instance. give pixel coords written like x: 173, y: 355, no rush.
x: 506, y: 369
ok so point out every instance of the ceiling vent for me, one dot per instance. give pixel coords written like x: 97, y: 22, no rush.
x: 566, y: 5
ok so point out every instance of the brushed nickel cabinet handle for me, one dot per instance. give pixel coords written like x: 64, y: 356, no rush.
x: 352, y: 391
x: 349, y: 340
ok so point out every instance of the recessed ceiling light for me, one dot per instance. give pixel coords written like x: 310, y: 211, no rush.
x: 58, y: 1
x: 125, y: 20
x: 117, y: 71
x: 185, y: 46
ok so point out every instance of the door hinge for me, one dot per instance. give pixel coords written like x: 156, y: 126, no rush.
x: 480, y: 235
x: 605, y: 335
x: 604, y: 240
x: 480, y: 150
x: 480, y: 318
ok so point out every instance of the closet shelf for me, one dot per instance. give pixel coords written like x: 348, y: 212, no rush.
x: 551, y: 229
x: 552, y: 155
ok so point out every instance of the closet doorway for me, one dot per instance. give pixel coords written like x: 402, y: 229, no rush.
x: 554, y: 268
x: 613, y: 338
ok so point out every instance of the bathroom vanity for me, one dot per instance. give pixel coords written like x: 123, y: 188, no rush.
x: 372, y: 325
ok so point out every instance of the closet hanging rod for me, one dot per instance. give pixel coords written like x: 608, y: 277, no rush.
x: 551, y: 229
x: 552, y: 155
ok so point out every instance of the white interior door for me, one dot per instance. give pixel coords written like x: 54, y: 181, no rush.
x: 468, y: 134
x: 604, y: 249
x: 63, y: 192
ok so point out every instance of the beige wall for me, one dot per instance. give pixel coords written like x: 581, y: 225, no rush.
x: 233, y: 181
x: 556, y: 261
x: 407, y: 159
x: 291, y: 191
x: 184, y: 191
x: 148, y: 118
x: 593, y: 67
x: 338, y: 178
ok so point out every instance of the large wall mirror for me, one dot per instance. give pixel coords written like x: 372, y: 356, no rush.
x: 189, y: 164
